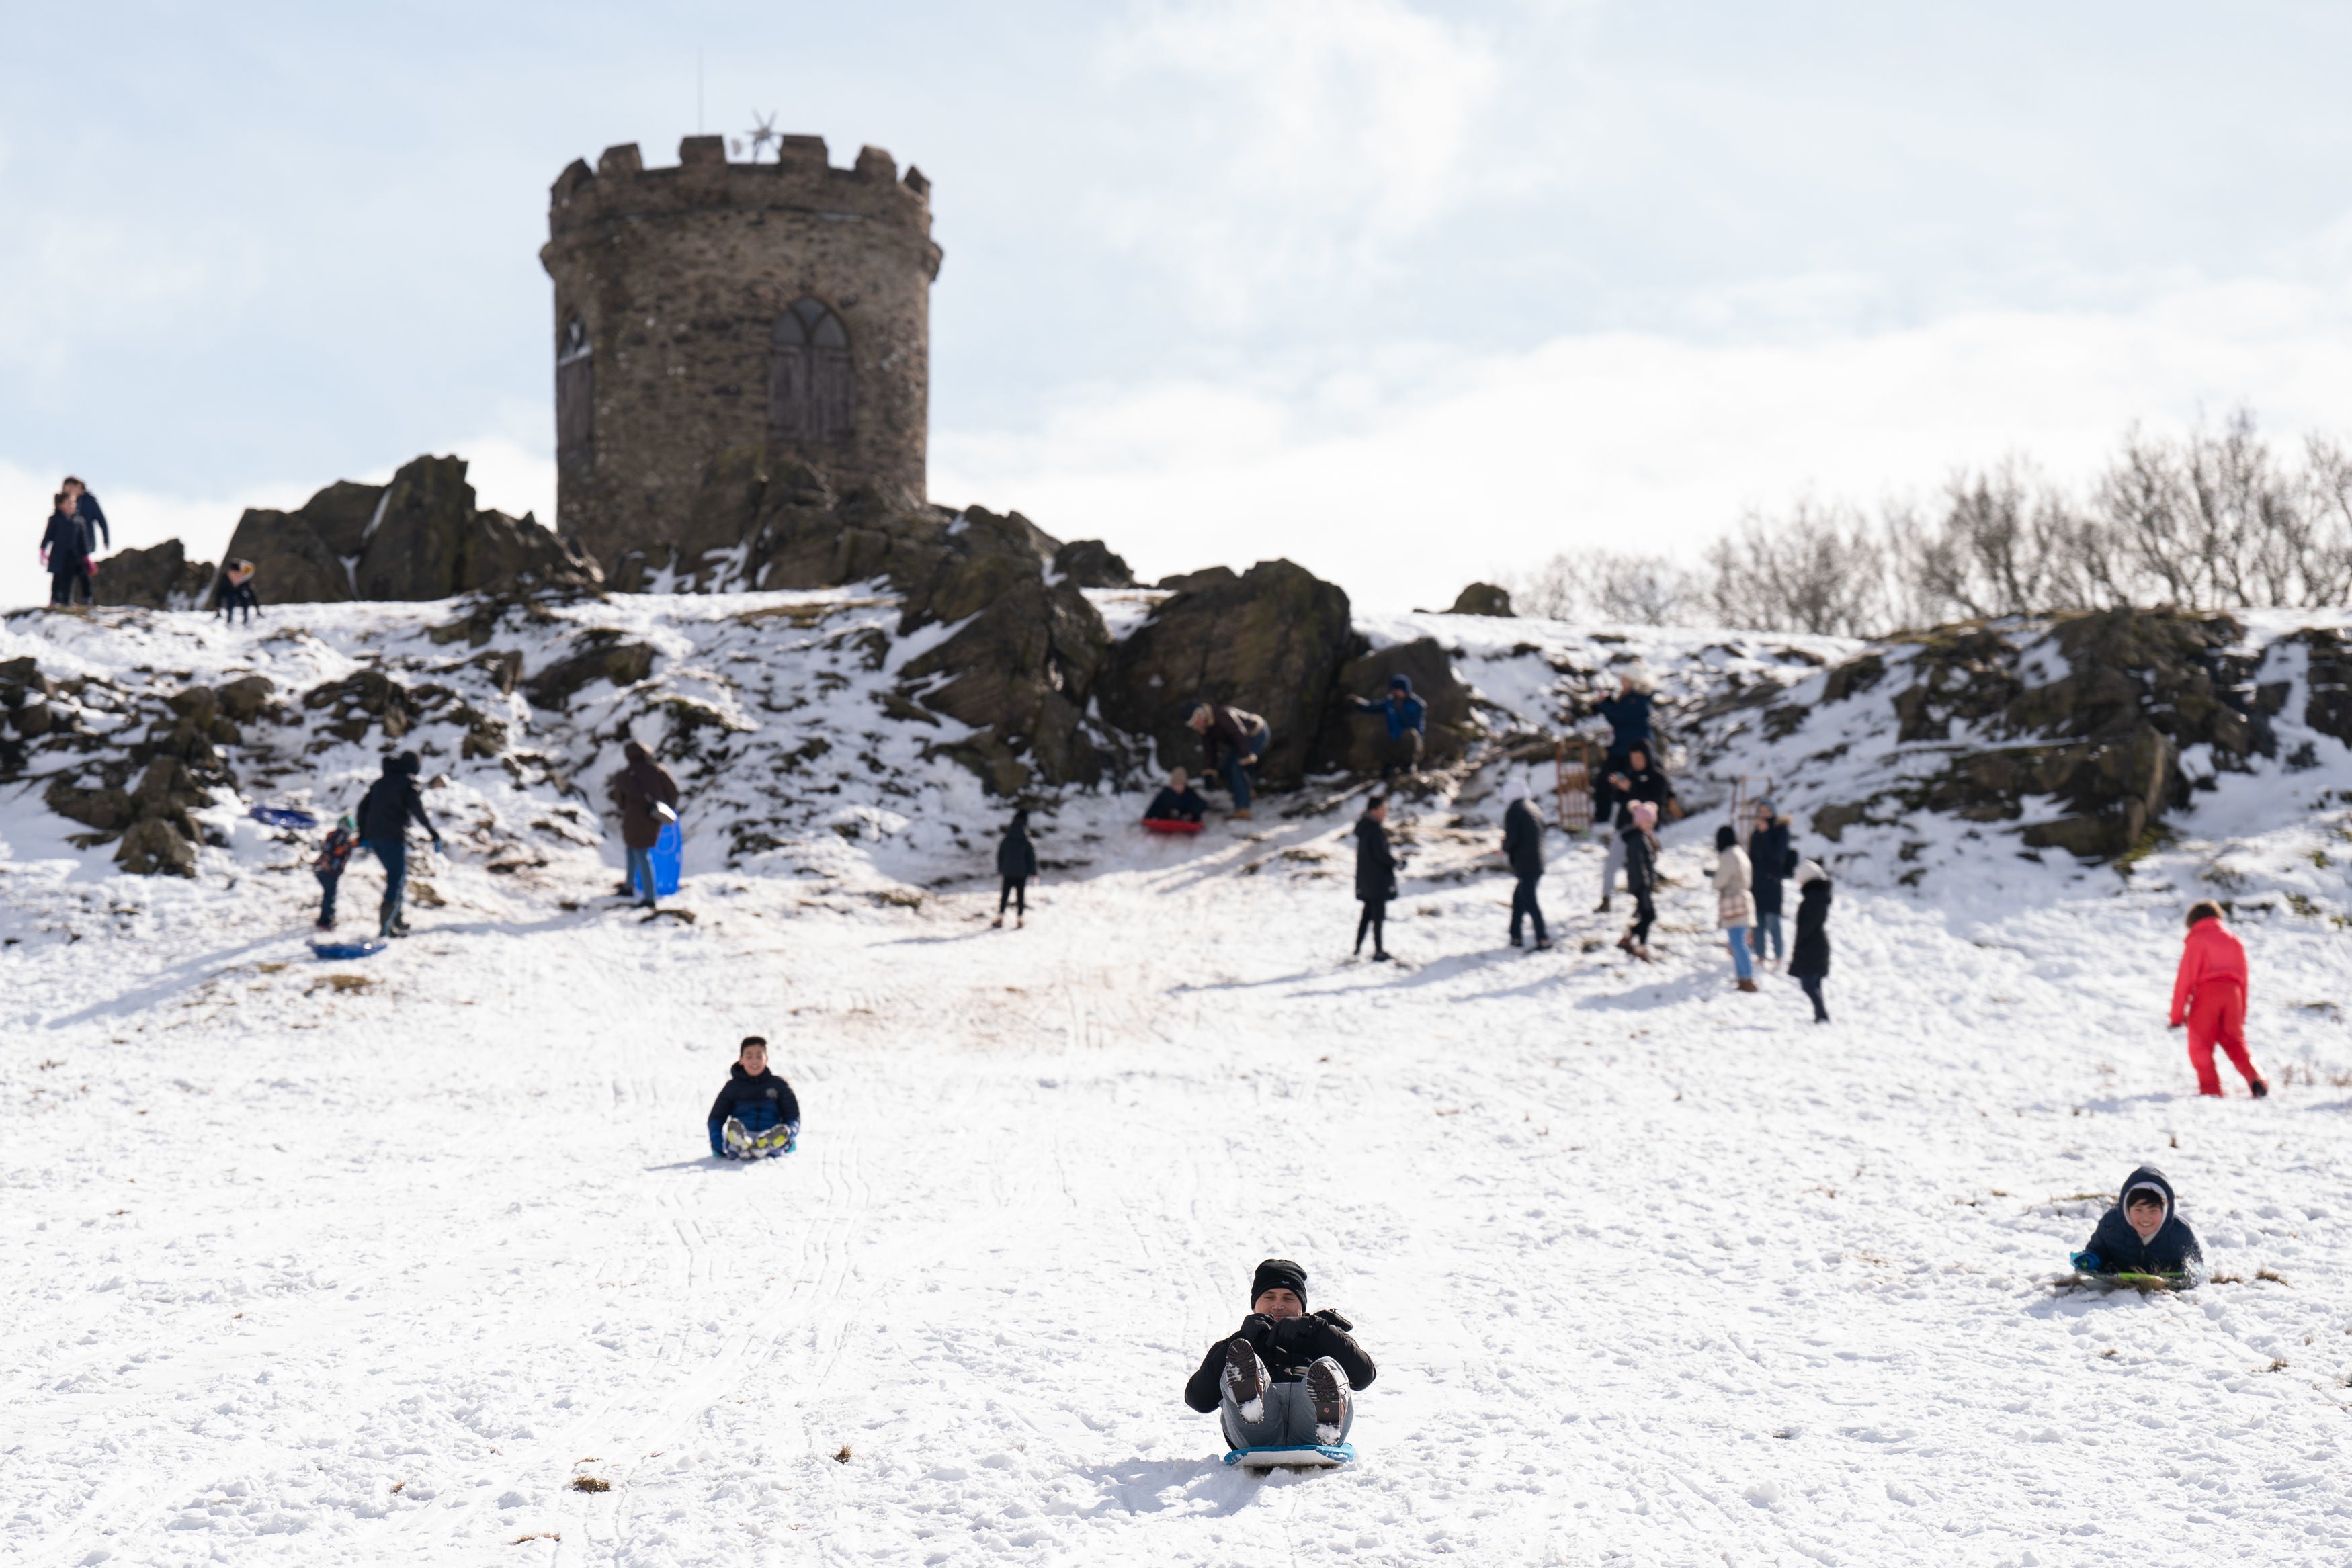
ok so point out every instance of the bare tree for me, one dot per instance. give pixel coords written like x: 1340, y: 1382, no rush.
x: 1820, y: 569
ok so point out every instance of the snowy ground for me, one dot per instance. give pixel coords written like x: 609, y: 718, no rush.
x: 365, y: 1262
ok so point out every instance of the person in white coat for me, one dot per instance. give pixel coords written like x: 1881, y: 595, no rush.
x: 1735, y: 900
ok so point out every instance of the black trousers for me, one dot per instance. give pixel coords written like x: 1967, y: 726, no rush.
x: 1524, y: 906
x: 1015, y: 892
x: 1813, y: 985
x: 63, y: 585
x: 1375, y: 920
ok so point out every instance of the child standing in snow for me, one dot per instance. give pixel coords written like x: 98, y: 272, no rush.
x: 1284, y: 1379
x: 1735, y: 905
x: 755, y: 1115
x: 2141, y: 1234
x: 1640, y: 838
x: 1809, y: 960
x: 1016, y: 862
x: 333, y: 855
x: 2209, y: 994
x: 1376, y: 881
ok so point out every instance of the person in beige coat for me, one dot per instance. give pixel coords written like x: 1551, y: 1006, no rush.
x: 1735, y: 902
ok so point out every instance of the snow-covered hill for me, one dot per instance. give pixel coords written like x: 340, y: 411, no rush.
x: 367, y: 1262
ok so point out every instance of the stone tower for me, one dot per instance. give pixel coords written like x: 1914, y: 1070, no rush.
x: 719, y: 305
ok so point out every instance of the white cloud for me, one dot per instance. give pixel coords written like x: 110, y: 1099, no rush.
x: 1634, y: 440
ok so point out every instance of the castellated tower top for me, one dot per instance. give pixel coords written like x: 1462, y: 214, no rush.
x: 777, y: 308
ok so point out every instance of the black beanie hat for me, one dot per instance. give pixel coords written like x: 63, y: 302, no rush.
x: 1279, y: 1273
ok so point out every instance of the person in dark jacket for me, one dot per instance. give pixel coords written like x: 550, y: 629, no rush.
x: 2143, y: 1233
x: 756, y: 1114
x: 1640, y: 838
x: 647, y: 798
x: 1242, y: 740
x: 1177, y: 801
x: 1285, y: 1378
x: 1376, y: 881
x: 1640, y: 779
x: 1016, y: 862
x: 1770, y: 861
x: 233, y: 591
x: 86, y: 507
x: 65, y: 552
x: 1407, y: 718
x: 1628, y: 715
x: 1523, y: 830
x: 333, y: 855
x: 385, y: 810
x: 1809, y: 958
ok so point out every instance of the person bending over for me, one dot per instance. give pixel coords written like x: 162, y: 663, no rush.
x: 755, y: 1115
x: 2142, y: 1234
x: 1177, y: 801
x: 1241, y: 738
x: 1285, y: 1379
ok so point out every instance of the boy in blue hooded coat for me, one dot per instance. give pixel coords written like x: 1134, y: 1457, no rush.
x: 755, y: 1115
x: 2142, y: 1234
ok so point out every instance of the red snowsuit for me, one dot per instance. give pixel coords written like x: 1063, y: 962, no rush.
x: 2209, y: 995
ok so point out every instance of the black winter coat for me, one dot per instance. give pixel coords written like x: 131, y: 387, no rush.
x: 93, y: 518
x: 2118, y: 1249
x: 758, y: 1095
x: 1772, y: 862
x: 385, y: 810
x: 66, y: 539
x: 1170, y: 807
x: 1375, y: 863
x: 1650, y: 785
x: 1523, y: 840
x: 1287, y: 1349
x: 1016, y: 855
x: 1809, y: 956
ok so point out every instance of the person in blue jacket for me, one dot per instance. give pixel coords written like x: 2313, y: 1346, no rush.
x: 1628, y: 714
x: 2142, y: 1234
x: 1408, y: 720
x: 86, y: 507
x: 755, y: 1115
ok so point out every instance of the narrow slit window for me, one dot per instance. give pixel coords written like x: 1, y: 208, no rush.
x: 810, y: 384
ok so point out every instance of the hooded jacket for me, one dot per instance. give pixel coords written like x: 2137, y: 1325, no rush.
x: 1733, y: 904
x: 1017, y: 857
x: 1628, y: 714
x: 1522, y: 832
x: 634, y: 788
x: 1375, y: 863
x: 1809, y: 955
x: 1772, y: 862
x: 2212, y: 955
x: 759, y: 1104
x: 93, y: 519
x: 1402, y: 709
x: 2115, y: 1248
x: 392, y: 801
x: 66, y: 541
x: 1645, y: 784
x: 1169, y: 806
x: 1287, y: 1349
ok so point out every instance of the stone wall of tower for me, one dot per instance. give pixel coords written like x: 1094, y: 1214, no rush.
x: 669, y: 284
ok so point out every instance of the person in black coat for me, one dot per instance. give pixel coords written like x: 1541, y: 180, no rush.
x: 1283, y: 1379
x: 1523, y: 830
x: 86, y: 507
x: 1375, y: 876
x: 766, y: 1113
x: 1640, y: 779
x: 64, y: 551
x: 1770, y: 861
x: 1016, y: 862
x: 1177, y: 801
x: 385, y: 810
x: 2142, y: 1233
x: 1809, y: 960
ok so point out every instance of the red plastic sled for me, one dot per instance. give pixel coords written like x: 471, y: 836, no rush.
x: 1170, y: 825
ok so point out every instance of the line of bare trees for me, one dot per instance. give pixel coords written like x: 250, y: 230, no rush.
x: 2213, y: 519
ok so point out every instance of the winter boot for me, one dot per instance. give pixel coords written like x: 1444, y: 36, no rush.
x: 1601, y: 907
x: 1515, y: 940
x: 1326, y: 1390
x: 1244, y: 1381
x: 1746, y: 984
x: 1380, y: 955
x: 737, y: 1140
x: 1241, y: 814
x: 997, y: 923
x: 1625, y: 942
x: 1020, y: 923
x: 776, y: 1140
x: 1543, y: 944
x: 2260, y: 1088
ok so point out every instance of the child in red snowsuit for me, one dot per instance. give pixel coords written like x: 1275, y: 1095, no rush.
x: 2209, y: 995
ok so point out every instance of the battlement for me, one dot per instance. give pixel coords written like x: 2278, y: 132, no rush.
x: 800, y: 178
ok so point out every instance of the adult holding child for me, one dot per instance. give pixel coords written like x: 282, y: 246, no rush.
x: 1639, y: 779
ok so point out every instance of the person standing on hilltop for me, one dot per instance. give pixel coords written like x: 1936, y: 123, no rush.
x: 87, y: 508
x: 1243, y: 737
x: 1376, y: 881
x: 65, y: 552
x: 647, y: 799
x: 1523, y: 830
x: 2209, y: 994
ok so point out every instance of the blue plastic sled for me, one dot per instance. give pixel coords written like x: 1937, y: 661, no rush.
x: 1306, y: 1456
x: 668, y: 850
x: 333, y: 950
x: 283, y: 817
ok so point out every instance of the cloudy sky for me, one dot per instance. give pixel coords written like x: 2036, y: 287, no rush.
x: 1409, y: 293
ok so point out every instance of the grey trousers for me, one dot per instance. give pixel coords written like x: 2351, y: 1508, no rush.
x: 1288, y: 1421
x: 1614, y: 863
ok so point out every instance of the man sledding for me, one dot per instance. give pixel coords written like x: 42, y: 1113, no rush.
x: 1282, y: 1384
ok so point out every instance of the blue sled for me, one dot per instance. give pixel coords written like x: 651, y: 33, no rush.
x: 283, y: 817
x: 1309, y: 1456
x: 669, y: 852
x: 335, y: 950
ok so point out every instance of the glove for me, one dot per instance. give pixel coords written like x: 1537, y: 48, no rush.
x: 1331, y: 1316
x: 1258, y: 1329
x: 2085, y: 1262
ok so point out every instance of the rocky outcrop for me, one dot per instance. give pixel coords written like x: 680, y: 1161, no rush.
x: 1351, y: 740
x: 1481, y: 599
x: 420, y: 537
x: 2093, y: 710
x: 1271, y: 641
x: 158, y: 576
x: 1090, y: 563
